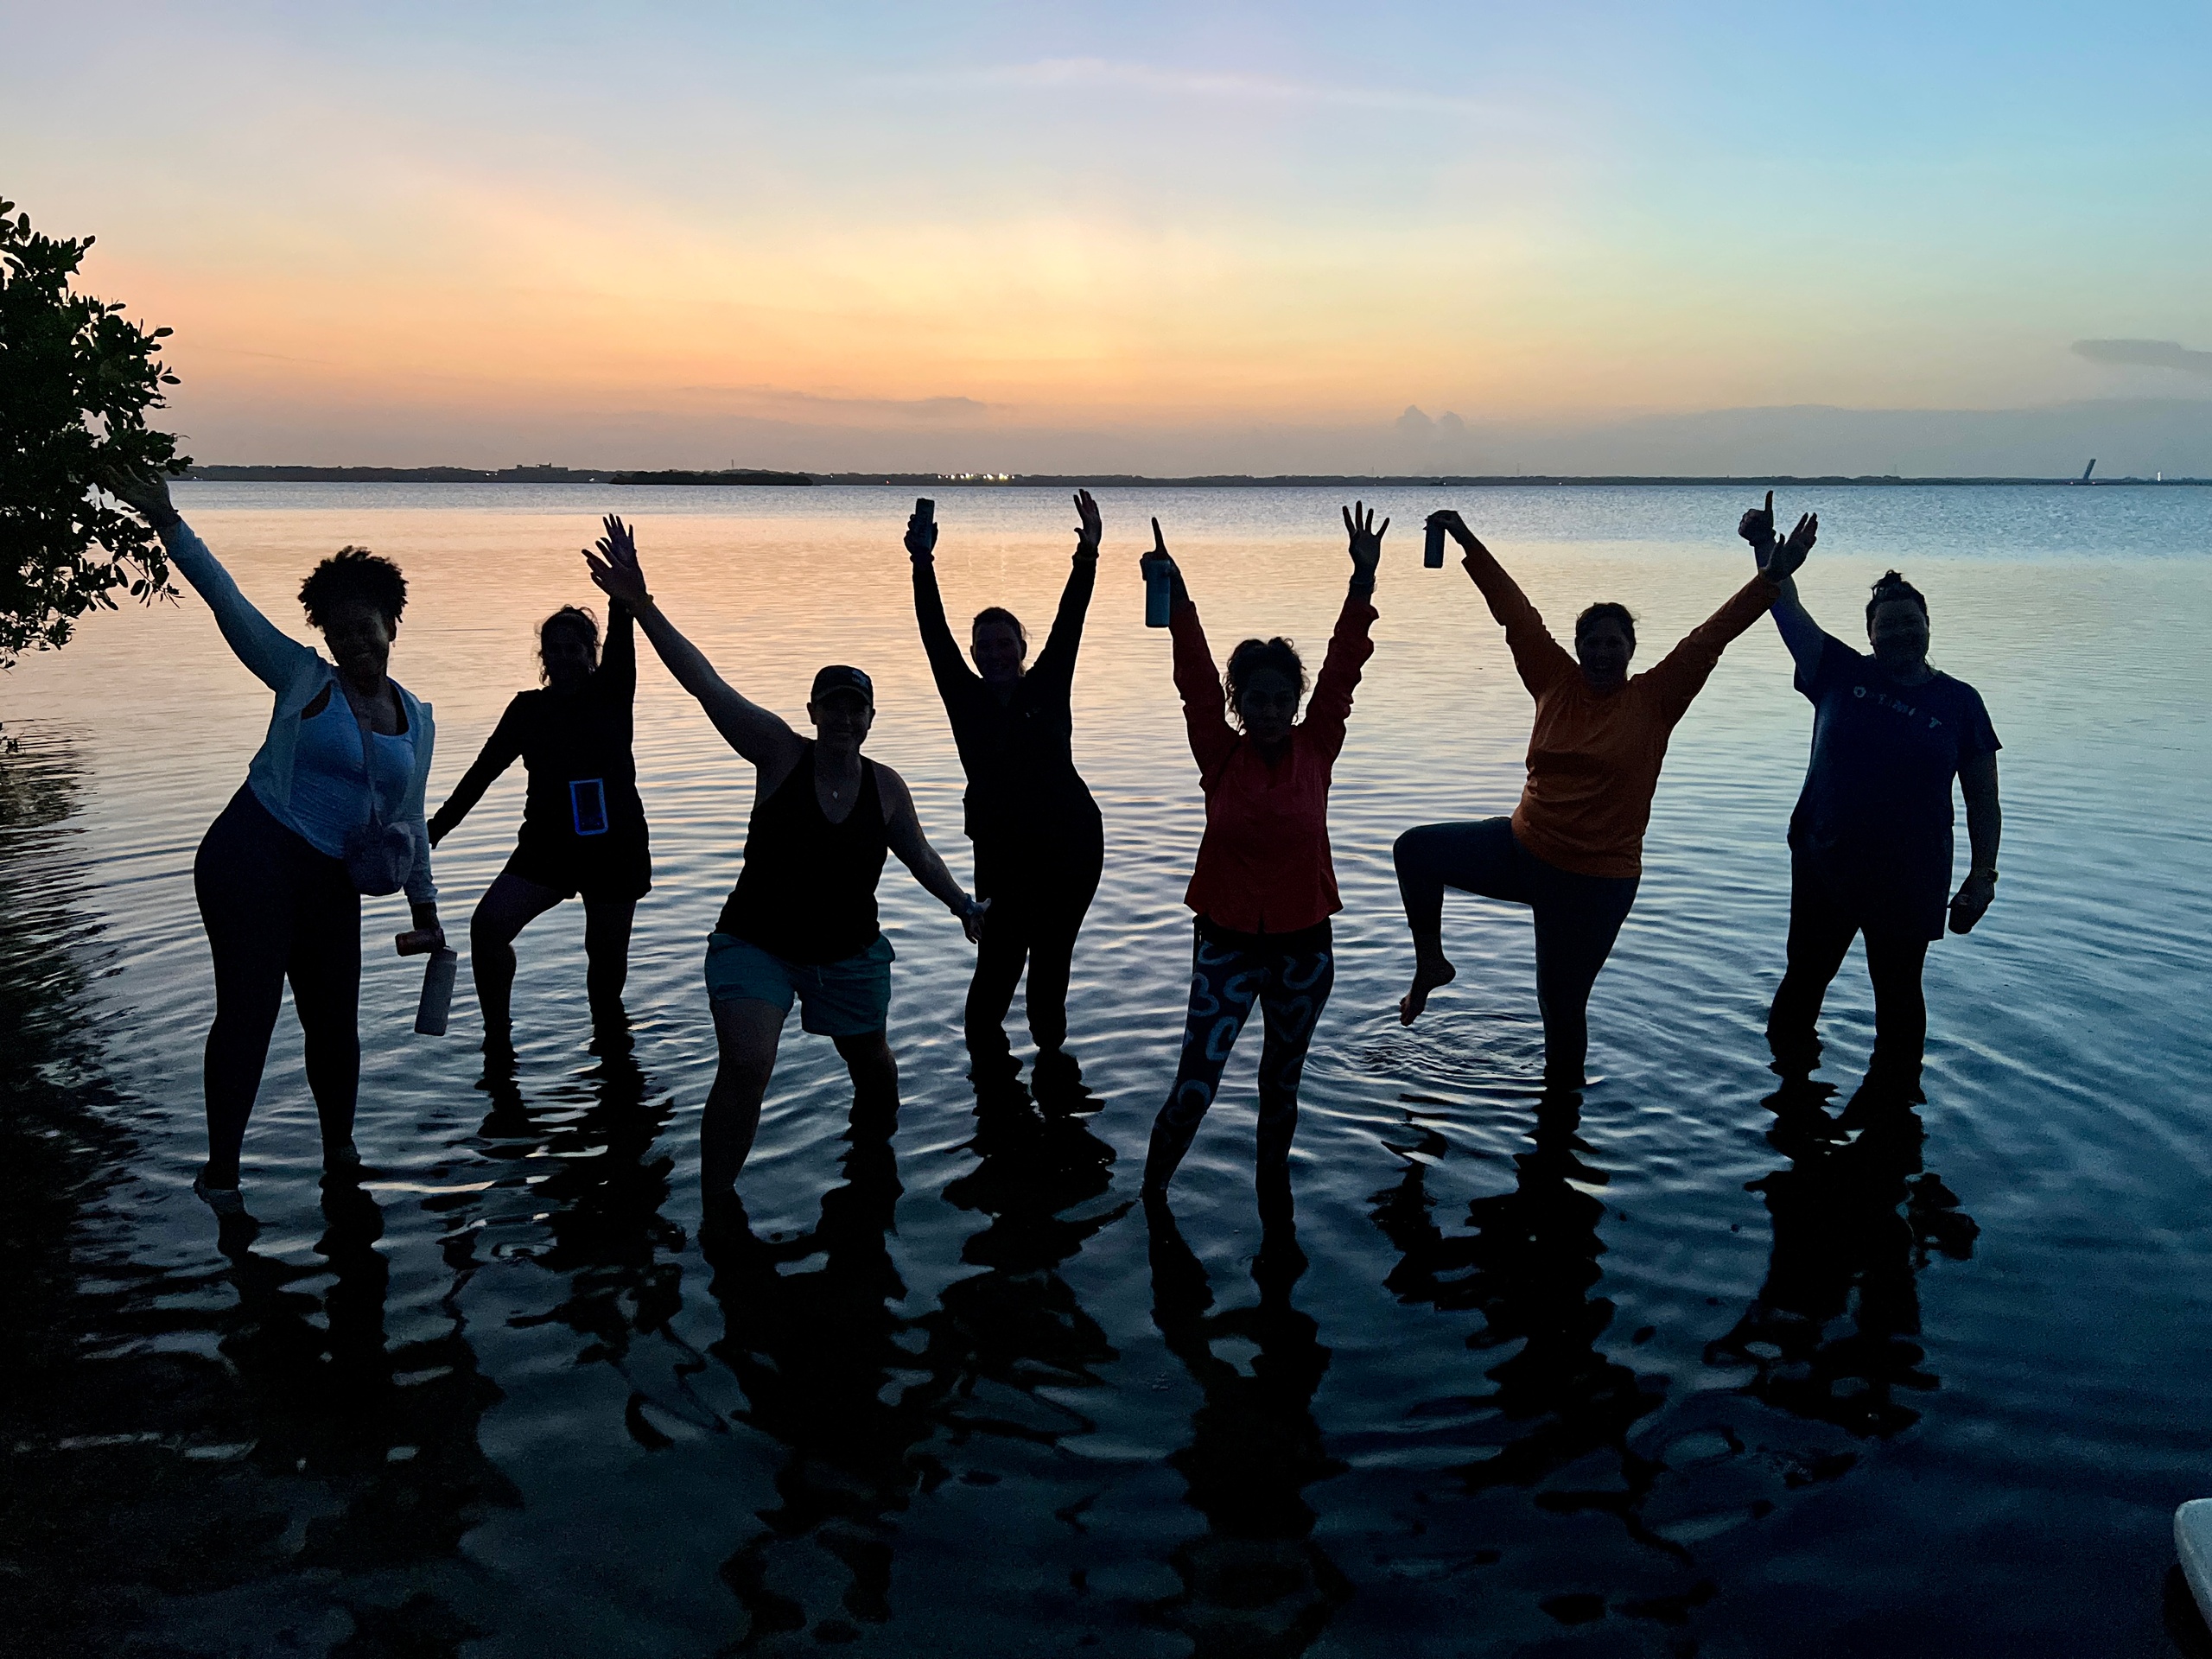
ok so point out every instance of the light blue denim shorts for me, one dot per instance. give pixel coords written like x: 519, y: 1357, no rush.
x: 849, y: 998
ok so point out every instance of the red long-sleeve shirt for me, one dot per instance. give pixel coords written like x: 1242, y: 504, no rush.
x: 1264, y: 864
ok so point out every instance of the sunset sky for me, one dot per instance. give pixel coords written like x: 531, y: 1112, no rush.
x: 1022, y: 237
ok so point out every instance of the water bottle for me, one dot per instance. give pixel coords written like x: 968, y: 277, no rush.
x: 437, y: 992
x: 1159, y: 592
x: 1432, y: 551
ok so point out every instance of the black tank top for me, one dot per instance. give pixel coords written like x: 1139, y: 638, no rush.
x: 807, y: 892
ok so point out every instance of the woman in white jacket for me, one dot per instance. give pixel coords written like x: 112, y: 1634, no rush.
x: 332, y: 807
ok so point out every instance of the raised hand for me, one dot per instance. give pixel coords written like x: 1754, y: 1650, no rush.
x: 1366, y: 540
x: 145, y: 494
x: 1456, y: 527
x: 614, y: 565
x: 1782, y: 562
x: 1091, y: 527
x: 921, y: 537
x: 1157, y: 550
x: 1756, y: 527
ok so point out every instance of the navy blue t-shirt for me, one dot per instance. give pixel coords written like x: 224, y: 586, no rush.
x: 1876, y: 808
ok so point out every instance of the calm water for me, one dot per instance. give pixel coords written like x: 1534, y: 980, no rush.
x: 1670, y: 1377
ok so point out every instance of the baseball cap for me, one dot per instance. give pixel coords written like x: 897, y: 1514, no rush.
x: 838, y: 678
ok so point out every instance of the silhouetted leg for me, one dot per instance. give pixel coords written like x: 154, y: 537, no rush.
x: 509, y: 905
x: 1224, y: 983
x: 607, y: 957
x: 1578, y: 919
x: 326, y: 974
x: 1821, y: 933
x: 1894, y: 963
x: 1475, y: 855
x: 1296, y: 990
x: 243, y: 883
x: 999, y: 961
x: 746, y: 1033
x: 875, y: 1072
x: 1052, y: 957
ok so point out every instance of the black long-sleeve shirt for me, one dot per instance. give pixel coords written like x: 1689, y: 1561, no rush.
x: 566, y: 738
x: 1022, y: 784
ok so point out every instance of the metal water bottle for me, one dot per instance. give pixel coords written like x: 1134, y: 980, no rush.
x: 1432, y: 551
x: 1159, y: 593
x: 437, y: 992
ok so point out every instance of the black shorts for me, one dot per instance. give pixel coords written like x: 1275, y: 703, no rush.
x: 618, y: 873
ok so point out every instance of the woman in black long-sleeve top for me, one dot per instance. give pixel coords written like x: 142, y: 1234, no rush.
x: 1039, y: 842
x: 583, y: 828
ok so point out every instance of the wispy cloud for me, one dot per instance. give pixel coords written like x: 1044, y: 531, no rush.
x: 839, y: 409
x: 2146, y: 354
x: 1056, y: 73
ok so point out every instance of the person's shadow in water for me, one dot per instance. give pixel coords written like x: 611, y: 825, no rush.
x: 1017, y: 1325
x: 327, y: 1400
x: 1834, y: 1333
x: 1528, y: 1266
x: 619, y: 1254
x: 1255, y: 1584
x: 816, y: 1353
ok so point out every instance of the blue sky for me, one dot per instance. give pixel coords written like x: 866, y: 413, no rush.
x: 961, y: 228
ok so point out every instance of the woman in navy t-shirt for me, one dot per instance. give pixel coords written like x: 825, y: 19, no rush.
x: 1870, y: 842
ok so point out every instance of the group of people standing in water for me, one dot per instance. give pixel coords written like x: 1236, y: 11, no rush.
x: 333, y: 808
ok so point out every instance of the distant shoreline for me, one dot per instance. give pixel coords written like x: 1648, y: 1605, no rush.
x: 743, y: 477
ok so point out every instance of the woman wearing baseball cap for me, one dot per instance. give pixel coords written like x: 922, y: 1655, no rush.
x: 801, y: 923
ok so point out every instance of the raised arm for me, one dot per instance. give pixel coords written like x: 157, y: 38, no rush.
x: 1350, y: 645
x: 1195, y: 677
x: 759, y: 734
x: 275, y: 658
x: 947, y: 667
x: 1805, y: 637
x: 1682, y: 673
x: 1056, y: 660
x: 902, y: 829
x: 1539, y: 659
x: 501, y: 750
x: 616, y: 678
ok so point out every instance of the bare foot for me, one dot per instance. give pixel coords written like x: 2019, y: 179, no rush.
x: 1427, y: 976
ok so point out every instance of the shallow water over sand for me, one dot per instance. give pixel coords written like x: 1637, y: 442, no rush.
x: 1668, y: 1375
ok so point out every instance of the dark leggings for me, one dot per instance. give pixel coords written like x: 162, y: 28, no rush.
x: 1822, y: 927
x: 1578, y: 918
x: 275, y: 909
x: 1290, y: 978
x: 1034, y: 917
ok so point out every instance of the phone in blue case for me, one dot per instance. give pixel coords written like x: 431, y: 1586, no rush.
x: 588, y: 800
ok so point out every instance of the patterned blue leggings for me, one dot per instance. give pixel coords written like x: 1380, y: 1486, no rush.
x: 1290, y: 979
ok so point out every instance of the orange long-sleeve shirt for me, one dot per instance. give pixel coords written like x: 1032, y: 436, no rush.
x: 1594, y: 758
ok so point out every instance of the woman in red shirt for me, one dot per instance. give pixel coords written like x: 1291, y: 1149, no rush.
x: 1572, y: 851
x: 1264, y: 888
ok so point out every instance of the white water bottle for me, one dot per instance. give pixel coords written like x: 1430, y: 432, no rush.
x: 437, y: 992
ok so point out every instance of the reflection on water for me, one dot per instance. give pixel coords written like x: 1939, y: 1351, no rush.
x: 1255, y: 1584
x: 1529, y: 1266
x: 1650, y: 1373
x: 1833, y: 1334
x: 822, y: 1357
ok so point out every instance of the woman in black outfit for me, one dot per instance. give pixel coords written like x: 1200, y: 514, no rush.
x: 1039, y: 842
x: 583, y: 828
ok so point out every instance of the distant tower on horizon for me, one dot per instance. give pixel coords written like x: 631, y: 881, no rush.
x: 2087, y: 470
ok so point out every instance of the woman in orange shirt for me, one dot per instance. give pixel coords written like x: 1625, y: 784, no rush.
x: 1264, y: 887
x: 1572, y: 851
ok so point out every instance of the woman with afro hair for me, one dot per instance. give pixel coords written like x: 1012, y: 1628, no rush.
x: 346, y: 755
